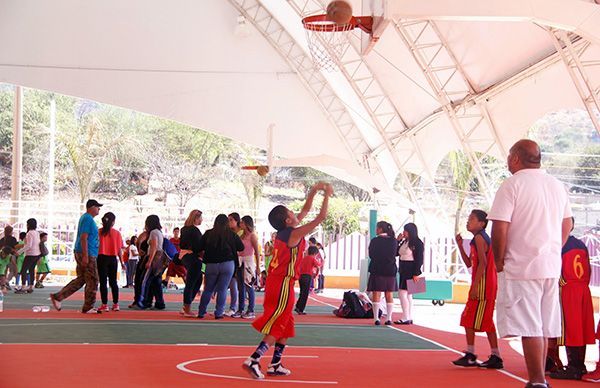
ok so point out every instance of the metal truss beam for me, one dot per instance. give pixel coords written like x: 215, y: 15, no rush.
x: 382, y: 112
x: 313, y: 81
x: 471, y: 123
x: 578, y: 73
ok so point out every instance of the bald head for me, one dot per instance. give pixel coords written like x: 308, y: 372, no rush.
x: 525, y: 154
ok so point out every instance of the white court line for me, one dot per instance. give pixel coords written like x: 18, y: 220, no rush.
x: 458, y: 352
x: 183, y: 367
x: 325, y: 303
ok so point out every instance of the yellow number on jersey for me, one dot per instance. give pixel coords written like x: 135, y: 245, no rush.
x: 578, y: 267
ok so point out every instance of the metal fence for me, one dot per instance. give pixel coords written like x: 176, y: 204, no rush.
x: 343, y: 254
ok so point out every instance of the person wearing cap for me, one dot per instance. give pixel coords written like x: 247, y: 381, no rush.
x: 85, y: 252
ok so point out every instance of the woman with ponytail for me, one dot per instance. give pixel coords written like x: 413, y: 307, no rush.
x: 382, y: 269
x: 111, y: 245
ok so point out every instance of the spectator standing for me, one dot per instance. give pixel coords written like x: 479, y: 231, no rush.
x: 410, y: 250
x: 11, y: 242
x: 43, y: 267
x: 233, y: 220
x: 249, y: 269
x: 382, y: 269
x: 308, y: 268
x: 132, y: 260
x: 109, y: 257
x: 155, y: 266
x: 32, y: 255
x: 85, y: 252
x: 531, y: 222
x: 190, y: 255
x: 221, y: 246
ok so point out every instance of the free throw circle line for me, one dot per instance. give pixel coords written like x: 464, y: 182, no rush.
x: 183, y: 367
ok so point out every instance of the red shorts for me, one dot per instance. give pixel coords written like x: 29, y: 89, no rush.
x: 577, y: 315
x: 479, y: 315
x: 277, y: 319
x: 176, y: 270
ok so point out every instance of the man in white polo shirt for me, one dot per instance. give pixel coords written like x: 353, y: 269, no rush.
x: 532, y: 220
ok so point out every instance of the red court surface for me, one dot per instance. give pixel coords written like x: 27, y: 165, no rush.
x: 148, y: 365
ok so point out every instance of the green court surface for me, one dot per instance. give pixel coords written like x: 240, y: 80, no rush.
x: 211, y: 333
x: 173, y: 299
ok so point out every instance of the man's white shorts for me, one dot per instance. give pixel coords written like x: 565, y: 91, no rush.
x: 528, y: 308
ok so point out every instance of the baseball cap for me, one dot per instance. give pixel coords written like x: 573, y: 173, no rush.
x: 92, y: 202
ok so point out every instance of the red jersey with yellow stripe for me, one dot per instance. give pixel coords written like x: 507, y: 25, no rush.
x: 575, y: 263
x: 575, y: 296
x: 286, y: 261
x: 488, y: 284
x: 277, y: 319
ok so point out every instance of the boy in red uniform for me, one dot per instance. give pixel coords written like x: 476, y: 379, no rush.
x: 577, y: 311
x: 479, y: 310
x: 277, y: 321
x: 308, y: 269
x: 174, y: 270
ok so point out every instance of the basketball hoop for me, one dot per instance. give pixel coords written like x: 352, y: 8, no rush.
x: 328, y: 40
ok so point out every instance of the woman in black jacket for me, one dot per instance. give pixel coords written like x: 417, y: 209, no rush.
x: 189, y: 254
x: 410, y: 250
x: 221, y: 246
x: 382, y: 269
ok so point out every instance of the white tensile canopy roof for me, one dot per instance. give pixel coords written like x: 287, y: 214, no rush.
x: 444, y: 75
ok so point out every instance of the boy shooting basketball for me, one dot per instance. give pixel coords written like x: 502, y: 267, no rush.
x: 277, y: 321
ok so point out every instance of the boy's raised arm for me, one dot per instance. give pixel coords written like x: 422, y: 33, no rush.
x: 301, y: 231
x: 309, y: 199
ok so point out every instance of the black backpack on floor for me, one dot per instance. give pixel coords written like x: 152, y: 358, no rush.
x: 353, y: 307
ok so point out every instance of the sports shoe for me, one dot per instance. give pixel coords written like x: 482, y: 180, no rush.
x: 377, y: 322
x: 20, y: 291
x: 592, y: 377
x: 568, y: 373
x: 38, y: 285
x: 229, y: 313
x: 494, y: 362
x: 404, y: 322
x: 115, y: 307
x: 91, y: 311
x: 237, y: 314
x: 388, y: 323
x: 553, y: 365
x: 469, y: 359
x: 253, y: 368
x: 103, y: 308
x: 249, y: 315
x: 278, y: 370
x: 57, y: 305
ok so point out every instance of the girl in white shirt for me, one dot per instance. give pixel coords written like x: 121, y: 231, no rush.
x: 32, y: 255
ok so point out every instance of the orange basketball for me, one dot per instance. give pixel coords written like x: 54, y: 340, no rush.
x: 339, y: 11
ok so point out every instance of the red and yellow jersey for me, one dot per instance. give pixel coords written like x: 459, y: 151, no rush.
x: 286, y: 261
x: 488, y: 284
x: 575, y: 263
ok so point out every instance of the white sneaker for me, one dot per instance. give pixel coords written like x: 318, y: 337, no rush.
x: 253, y: 368
x: 91, y: 311
x: 229, y: 313
x: 278, y: 370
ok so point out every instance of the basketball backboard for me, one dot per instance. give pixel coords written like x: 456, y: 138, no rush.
x: 376, y: 9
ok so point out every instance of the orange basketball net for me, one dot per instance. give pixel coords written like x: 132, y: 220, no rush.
x: 328, y: 40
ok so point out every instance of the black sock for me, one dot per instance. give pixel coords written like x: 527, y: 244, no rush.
x: 277, y: 353
x: 260, y: 350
